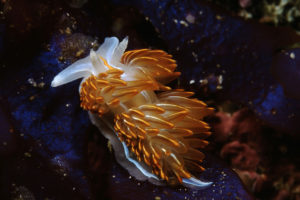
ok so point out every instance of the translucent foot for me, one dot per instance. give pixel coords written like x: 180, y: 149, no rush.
x: 195, y: 183
x: 137, y: 164
x: 188, y: 182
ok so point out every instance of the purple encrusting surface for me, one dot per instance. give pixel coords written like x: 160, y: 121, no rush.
x: 225, y: 185
x: 48, y: 144
x: 208, y: 42
x: 54, y: 131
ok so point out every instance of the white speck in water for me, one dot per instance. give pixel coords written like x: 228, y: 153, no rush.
x: 195, y: 56
x: 219, y: 17
x: 176, y: 21
x: 41, y: 84
x: 292, y: 55
x: 184, y: 23
x: 220, y: 79
x: 190, y: 18
x: 192, y: 81
x: 27, y: 154
x: 32, y: 82
x: 203, y: 81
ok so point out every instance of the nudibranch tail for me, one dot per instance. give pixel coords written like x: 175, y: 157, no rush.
x: 167, y: 134
x: 160, y: 129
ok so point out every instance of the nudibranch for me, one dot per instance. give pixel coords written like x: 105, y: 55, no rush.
x: 155, y: 131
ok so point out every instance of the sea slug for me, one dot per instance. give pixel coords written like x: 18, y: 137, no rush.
x: 155, y: 131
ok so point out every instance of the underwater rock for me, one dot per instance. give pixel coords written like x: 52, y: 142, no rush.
x: 229, y: 56
x: 286, y: 70
x: 217, y: 44
x: 58, y: 134
x: 242, y: 155
x: 56, y: 127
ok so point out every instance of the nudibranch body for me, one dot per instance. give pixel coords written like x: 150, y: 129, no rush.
x: 155, y: 131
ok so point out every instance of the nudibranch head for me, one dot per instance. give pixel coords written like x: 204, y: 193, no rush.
x: 109, y: 52
x: 158, y: 130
